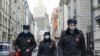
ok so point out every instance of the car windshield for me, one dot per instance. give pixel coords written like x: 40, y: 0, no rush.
x: 3, y: 48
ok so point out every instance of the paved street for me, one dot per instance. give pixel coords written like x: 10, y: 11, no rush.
x: 24, y: 20
x: 34, y: 53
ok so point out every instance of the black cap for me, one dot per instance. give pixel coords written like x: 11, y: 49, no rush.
x: 47, y: 33
x: 47, y: 40
x: 72, y: 21
x: 26, y: 27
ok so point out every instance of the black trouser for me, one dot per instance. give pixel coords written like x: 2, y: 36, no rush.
x: 25, y: 54
x: 75, y: 54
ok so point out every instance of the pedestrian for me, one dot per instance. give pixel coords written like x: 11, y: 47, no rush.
x: 47, y: 47
x: 72, y: 42
x: 25, y: 42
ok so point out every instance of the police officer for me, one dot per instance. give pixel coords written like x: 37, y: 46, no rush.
x: 25, y: 42
x: 47, y: 47
x: 72, y: 42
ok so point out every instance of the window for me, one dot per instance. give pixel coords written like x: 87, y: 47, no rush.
x: 6, y: 6
x: 3, y: 4
x: 18, y: 7
x: 69, y: 12
x: 75, y: 11
x: 0, y: 18
x: 98, y: 1
x: 15, y: 1
x: 74, y: 14
x: 98, y: 22
x: 74, y: 0
x: 0, y: 3
x: 5, y: 21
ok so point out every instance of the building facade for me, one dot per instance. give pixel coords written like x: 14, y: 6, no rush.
x: 96, y: 28
x: 12, y: 18
x: 40, y: 16
x: 54, y: 22
x: 33, y: 27
x: 81, y: 11
x: 16, y: 18
x: 4, y: 19
x: 27, y: 13
x: 87, y: 12
x: 63, y: 17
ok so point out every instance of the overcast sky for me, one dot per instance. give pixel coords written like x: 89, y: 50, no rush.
x: 50, y: 4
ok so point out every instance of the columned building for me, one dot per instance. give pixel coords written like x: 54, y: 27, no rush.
x: 96, y: 28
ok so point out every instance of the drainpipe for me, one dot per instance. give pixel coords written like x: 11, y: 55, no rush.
x: 92, y: 26
x: 9, y: 38
x: 63, y: 13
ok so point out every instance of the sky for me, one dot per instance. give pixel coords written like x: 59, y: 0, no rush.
x: 50, y: 4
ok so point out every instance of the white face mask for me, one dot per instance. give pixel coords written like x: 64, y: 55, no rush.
x: 72, y: 27
x: 25, y: 31
x: 47, y: 37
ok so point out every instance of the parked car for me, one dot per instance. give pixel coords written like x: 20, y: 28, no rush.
x: 6, y: 49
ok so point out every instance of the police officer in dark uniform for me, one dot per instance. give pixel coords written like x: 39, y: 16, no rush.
x: 25, y: 42
x: 47, y: 47
x: 72, y: 42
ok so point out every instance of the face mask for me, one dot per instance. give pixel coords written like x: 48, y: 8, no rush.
x: 47, y: 37
x: 25, y: 31
x: 72, y: 27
